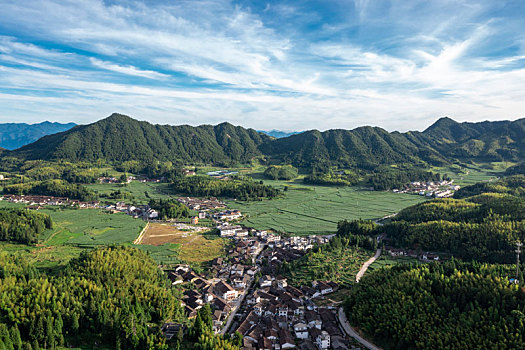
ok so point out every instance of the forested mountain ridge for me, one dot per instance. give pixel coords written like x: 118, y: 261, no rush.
x: 120, y: 138
x: 485, y: 141
x: 15, y: 135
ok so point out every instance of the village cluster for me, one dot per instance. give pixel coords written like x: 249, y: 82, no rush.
x: 437, y: 189
x: 248, y: 294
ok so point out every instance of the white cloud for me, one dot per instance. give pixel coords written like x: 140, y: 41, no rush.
x: 405, y: 66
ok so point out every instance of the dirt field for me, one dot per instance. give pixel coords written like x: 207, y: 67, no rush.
x: 194, y: 247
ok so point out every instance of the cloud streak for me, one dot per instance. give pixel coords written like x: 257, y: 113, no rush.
x: 282, y: 65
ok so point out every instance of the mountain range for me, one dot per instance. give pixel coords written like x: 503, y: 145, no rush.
x: 278, y: 133
x: 120, y: 138
x: 15, y: 135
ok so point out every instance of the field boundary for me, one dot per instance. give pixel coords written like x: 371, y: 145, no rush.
x: 141, y: 234
x: 308, y: 216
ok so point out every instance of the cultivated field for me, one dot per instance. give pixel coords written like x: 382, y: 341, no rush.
x: 309, y: 209
x: 387, y: 261
x: 338, y: 266
x: 194, y: 248
x: 90, y: 227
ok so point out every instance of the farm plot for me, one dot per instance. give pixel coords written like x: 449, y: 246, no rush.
x: 90, y: 227
x: 340, y: 266
x: 317, y: 209
x: 192, y: 247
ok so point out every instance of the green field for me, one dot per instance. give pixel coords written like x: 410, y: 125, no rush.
x: 474, y: 173
x: 339, y: 266
x: 387, y: 260
x: 90, y: 227
x: 307, y: 209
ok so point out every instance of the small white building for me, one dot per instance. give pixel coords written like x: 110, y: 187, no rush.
x: 301, y: 330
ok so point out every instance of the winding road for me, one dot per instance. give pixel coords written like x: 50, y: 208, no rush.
x: 366, y: 265
x: 341, y: 314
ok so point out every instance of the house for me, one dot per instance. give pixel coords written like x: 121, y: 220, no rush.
x: 301, y: 330
x: 225, y: 291
x: 321, y: 338
x: 170, y: 329
x: 266, y: 281
x: 254, y: 298
x: 281, y: 282
x: 282, y: 310
x: 286, y: 339
x: 429, y: 257
x: 313, y: 319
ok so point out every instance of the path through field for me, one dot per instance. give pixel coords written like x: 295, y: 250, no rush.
x: 366, y: 265
x: 342, y: 317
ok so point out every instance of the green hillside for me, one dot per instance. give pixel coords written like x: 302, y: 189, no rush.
x: 120, y: 138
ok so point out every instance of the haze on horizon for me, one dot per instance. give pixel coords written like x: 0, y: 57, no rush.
x: 282, y: 65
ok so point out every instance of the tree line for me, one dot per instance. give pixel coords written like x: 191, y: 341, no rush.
x: 56, y: 188
x: 239, y: 188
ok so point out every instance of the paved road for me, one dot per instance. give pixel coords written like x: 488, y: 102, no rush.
x: 351, y: 332
x: 342, y: 317
x: 366, y: 265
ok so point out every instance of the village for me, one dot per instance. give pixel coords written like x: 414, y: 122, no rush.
x: 248, y: 294
x: 435, y: 189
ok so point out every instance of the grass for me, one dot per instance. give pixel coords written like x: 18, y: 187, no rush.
x: 166, y: 254
x: 308, y: 209
x: 386, y: 261
x: 90, y: 227
x: 474, y: 173
x: 340, y: 266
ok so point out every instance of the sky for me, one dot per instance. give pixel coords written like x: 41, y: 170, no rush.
x: 286, y: 65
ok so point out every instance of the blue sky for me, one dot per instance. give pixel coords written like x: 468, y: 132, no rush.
x: 288, y: 65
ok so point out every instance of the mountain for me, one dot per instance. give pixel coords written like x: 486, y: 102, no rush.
x: 278, y: 133
x: 15, y: 135
x: 121, y: 138
x: 364, y: 147
x: 484, y: 141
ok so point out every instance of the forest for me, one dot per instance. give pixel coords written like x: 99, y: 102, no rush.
x: 240, y: 188
x: 386, y: 178
x: 332, y: 178
x: 281, y: 172
x: 452, y: 305
x: 169, y: 209
x: 22, y: 225
x: 115, y: 296
x: 56, y: 188
x: 482, y: 227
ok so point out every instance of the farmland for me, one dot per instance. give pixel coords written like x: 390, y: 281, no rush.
x: 90, y: 227
x: 193, y: 248
x: 307, y: 209
x: 387, y: 261
x: 340, y: 266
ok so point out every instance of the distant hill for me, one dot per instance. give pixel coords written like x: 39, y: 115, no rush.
x: 279, y: 134
x: 121, y: 138
x: 15, y: 135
